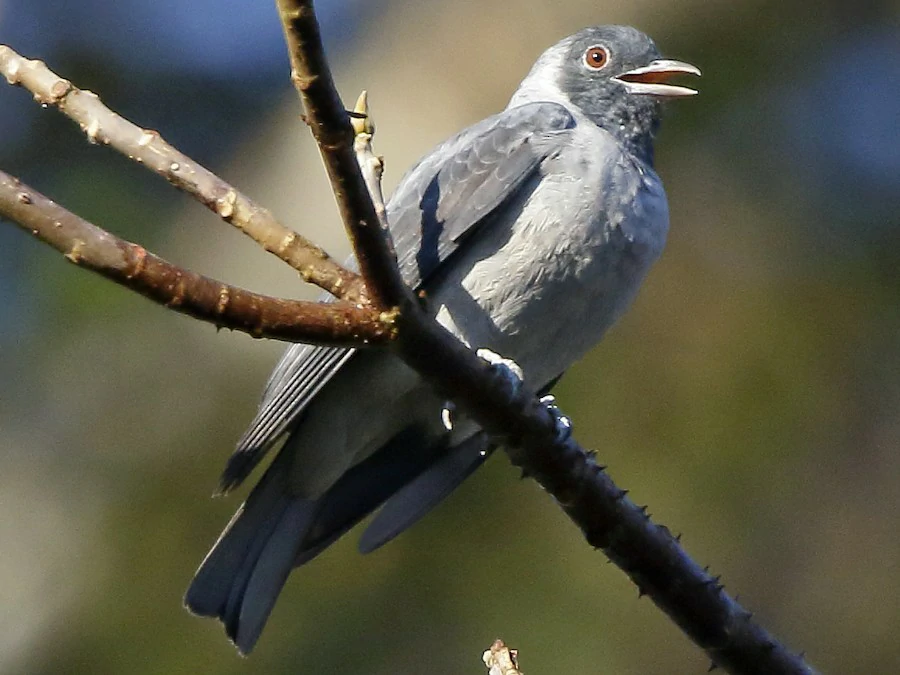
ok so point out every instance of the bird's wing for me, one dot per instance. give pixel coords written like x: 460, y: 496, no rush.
x: 438, y: 205
x: 302, y: 371
x: 444, y: 198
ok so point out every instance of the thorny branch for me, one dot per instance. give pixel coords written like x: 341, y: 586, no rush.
x: 647, y: 552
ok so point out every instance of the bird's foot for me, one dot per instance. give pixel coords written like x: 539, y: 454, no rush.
x: 447, y: 411
x: 511, y: 375
x: 507, y: 370
x: 562, y: 422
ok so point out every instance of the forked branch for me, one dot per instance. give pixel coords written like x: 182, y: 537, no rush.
x: 82, y: 243
x: 147, y: 147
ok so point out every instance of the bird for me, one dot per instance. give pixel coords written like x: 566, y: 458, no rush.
x: 528, y: 233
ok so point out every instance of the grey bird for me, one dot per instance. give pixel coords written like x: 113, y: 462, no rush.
x: 529, y: 234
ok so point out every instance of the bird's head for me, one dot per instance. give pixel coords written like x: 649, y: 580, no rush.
x: 615, y: 76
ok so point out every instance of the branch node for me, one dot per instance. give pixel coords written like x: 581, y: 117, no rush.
x: 225, y: 206
x: 147, y: 137
x: 74, y: 254
x: 224, y: 300
x: 177, y: 291
x: 303, y: 82
x: 287, y: 241
x: 138, y: 262
x: 92, y: 130
x: 58, y: 90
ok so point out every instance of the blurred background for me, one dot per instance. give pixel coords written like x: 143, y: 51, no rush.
x: 751, y: 397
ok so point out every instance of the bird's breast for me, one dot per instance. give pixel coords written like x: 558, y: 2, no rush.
x: 552, y: 272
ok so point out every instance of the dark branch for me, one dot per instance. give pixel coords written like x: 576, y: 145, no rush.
x: 330, y: 125
x: 84, y: 244
x: 102, y: 125
x: 646, y: 552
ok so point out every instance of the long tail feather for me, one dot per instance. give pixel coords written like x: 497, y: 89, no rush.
x: 239, y: 580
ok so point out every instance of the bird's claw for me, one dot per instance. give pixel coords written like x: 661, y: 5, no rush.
x: 447, y: 415
x: 511, y: 374
x: 506, y: 370
x: 562, y: 422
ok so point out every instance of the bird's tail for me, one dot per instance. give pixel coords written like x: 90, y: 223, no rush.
x: 241, y: 577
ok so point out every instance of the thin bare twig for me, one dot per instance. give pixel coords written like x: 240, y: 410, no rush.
x: 147, y: 147
x: 82, y: 243
x: 647, y: 552
x: 330, y: 124
x: 501, y: 660
x: 370, y: 164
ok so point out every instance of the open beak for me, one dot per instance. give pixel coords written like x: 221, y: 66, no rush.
x: 653, y: 80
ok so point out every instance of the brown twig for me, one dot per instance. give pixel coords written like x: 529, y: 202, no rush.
x: 648, y: 553
x: 147, y: 147
x: 330, y: 125
x: 82, y: 243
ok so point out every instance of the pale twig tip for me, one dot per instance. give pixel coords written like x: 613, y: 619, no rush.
x: 359, y: 117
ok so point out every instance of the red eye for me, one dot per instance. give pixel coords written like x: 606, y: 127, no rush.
x: 596, y: 57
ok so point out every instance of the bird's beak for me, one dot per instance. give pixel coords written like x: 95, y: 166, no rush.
x: 653, y: 80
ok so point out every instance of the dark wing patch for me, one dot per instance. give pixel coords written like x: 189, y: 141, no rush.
x: 299, y: 375
x: 364, y: 487
x: 447, y: 195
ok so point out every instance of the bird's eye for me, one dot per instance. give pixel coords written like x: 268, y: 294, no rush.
x: 596, y: 57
